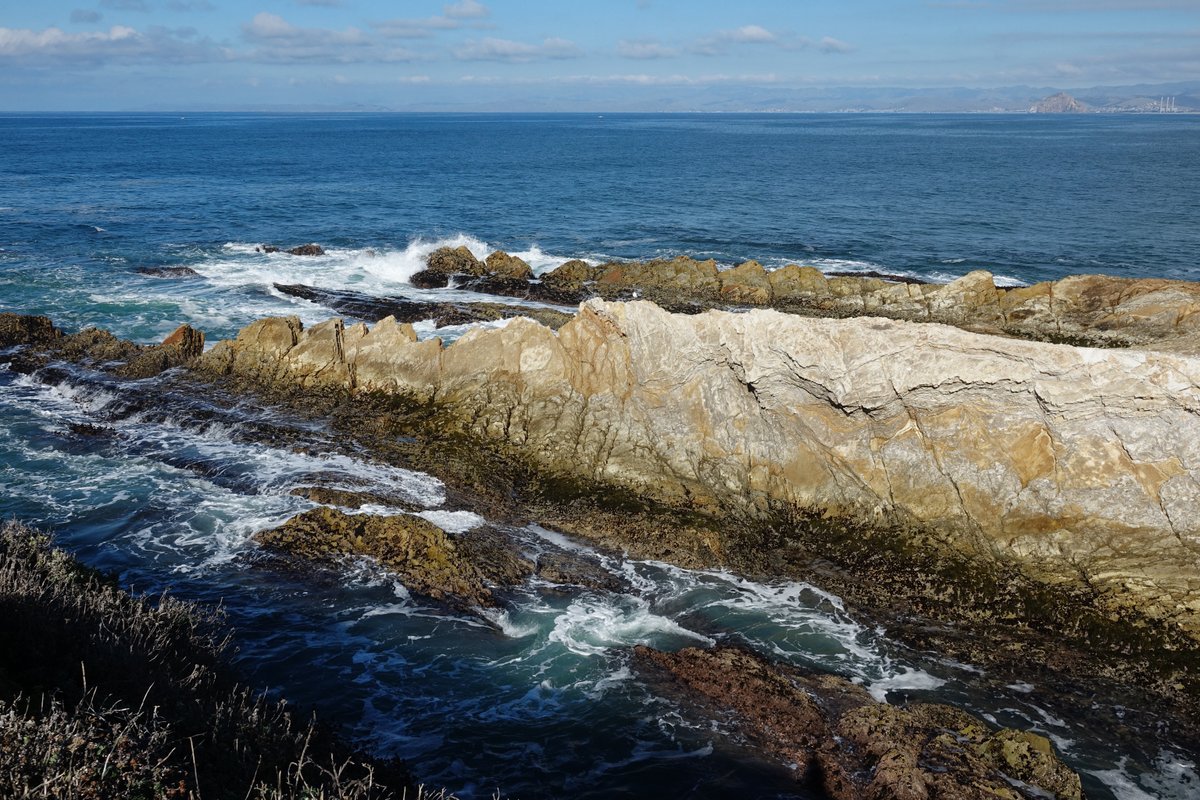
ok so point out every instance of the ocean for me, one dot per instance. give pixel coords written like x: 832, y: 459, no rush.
x: 539, y: 699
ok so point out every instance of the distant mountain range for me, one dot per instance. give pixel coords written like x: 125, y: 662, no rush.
x: 730, y: 98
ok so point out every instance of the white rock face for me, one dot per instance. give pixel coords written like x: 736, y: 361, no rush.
x: 1075, y: 462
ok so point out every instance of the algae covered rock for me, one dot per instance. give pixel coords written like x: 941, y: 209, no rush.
x: 746, y: 283
x: 502, y: 265
x: 570, y: 275
x: 454, y: 261
x: 19, y: 329
x: 425, y: 558
x: 838, y: 736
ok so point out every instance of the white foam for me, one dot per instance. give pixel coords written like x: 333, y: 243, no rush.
x: 592, y: 626
x: 453, y: 521
x: 907, y: 678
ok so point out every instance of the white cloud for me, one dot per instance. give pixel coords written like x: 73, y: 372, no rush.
x: 490, y: 49
x: 750, y: 34
x: 125, y: 5
x: 273, y: 28
x: 644, y: 49
x: 415, y: 28
x: 119, y: 44
x: 466, y: 9
x: 828, y: 44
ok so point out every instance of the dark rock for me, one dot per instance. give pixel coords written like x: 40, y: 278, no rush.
x: 853, y: 747
x: 350, y: 499
x: 308, y: 250
x: 455, y: 261
x: 16, y: 329
x: 87, y: 429
x: 169, y: 272
x: 425, y: 558
x: 883, y: 276
x: 267, y: 248
x: 574, y: 570
x: 429, y: 279
x: 495, y: 555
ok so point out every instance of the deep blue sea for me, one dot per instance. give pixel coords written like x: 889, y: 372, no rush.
x: 539, y: 700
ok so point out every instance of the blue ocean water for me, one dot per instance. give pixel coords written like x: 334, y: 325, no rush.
x: 539, y: 700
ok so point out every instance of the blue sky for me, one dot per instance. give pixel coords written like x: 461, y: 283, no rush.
x: 123, y: 54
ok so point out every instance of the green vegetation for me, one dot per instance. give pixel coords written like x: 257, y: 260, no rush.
x: 107, y: 695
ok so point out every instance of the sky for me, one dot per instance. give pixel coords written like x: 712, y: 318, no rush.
x: 98, y: 55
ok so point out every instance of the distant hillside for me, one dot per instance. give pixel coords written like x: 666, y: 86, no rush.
x: 1061, y: 103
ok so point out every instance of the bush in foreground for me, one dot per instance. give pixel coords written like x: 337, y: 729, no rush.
x: 107, y: 695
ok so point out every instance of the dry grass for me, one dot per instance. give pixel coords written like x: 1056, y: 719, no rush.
x: 106, y: 695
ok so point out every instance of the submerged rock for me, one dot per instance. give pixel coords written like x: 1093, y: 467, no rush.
x: 426, y: 559
x: 169, y: 272
x: 844, y: 742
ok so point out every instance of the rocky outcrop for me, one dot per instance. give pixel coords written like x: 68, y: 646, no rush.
x: 1077, y: 467
x: 1061, y: 103
x: 19, y: 329
x: 301, y: 250
x: 373, y: 307
x: 454, y: 261
x: 850, y: 746
x: 1093, y: 310
x: 502, y: 265
x: 426, y: 559
x: 98, y: 347
x: 169, y: 272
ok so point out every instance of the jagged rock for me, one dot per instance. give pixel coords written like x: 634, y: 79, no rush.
x: 1080, y: 467
x: 569, y: 276
x: 18, y: 329
x: 454, y: 261
x: 426, y: 559
x: 746, y: 283
x: 169, y: 272
x: 502, y: 265
x: 839, y: 737
x: 266, y: 248
x: 307, y: 250
x: 180, y: 347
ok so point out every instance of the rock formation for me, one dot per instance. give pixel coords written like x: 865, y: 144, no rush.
x: 1081, y: 467
x: 425, y: 557
x: 1095, y: 310
x: 1061, y: 103
x: 850, y: 746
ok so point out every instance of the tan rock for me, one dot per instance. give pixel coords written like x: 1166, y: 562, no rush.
x: 503, y: 265
x: 1074, y: 461
x: 746, y: 283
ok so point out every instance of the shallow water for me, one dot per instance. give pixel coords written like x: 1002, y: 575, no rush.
x: 540, y: 699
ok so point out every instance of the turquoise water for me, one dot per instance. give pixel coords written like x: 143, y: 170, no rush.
x: 538, y: 700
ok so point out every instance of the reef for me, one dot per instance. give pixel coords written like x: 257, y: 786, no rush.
x: 848, y: 746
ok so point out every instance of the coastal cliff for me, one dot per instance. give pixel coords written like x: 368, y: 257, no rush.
x: 1078, y: 466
